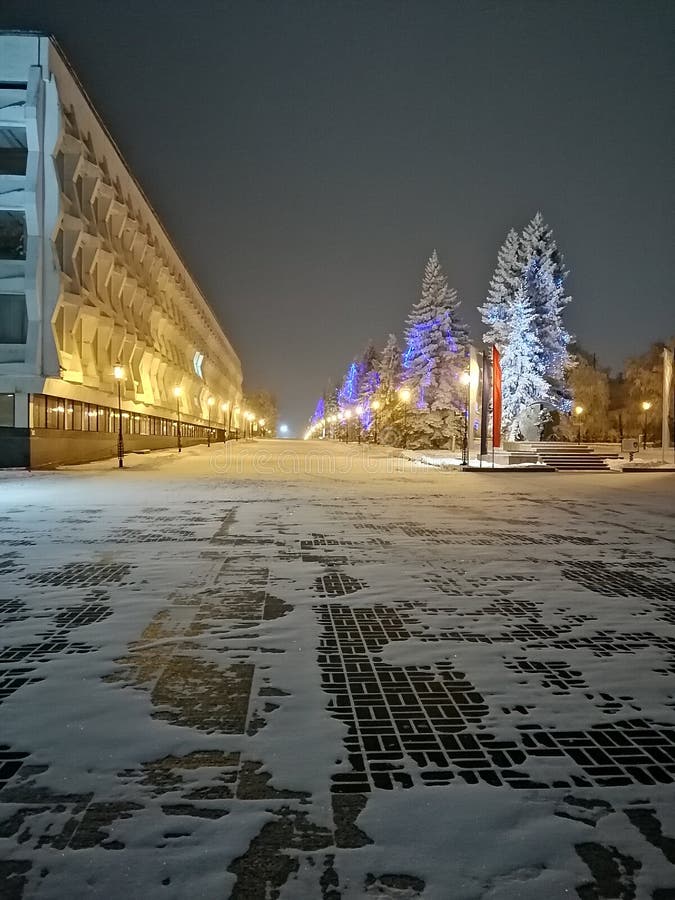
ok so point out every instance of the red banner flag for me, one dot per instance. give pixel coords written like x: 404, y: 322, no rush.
x: 496, y: 398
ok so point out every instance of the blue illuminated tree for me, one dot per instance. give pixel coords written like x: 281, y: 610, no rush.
x: 319, y: 411
x: 348, y: 392
x: 522, y: 360
x: 436, y: 348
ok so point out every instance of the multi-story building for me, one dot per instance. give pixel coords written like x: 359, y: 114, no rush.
x: 89, y: 280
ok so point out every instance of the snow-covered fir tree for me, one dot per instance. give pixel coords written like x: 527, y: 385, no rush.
x: 436, y: 343
x: 547, y: 295
x: 537, y: 243
x: 368, y: 370
x: 369, y: 380
x: 544, y: 268
x: 503, y: 286
x: 348, y: 392
x: 389, y: 368
x: 319, y: 411
x: 523, y: 373
x: 533, y: 263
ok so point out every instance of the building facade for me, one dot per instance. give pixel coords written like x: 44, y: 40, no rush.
x: 89, y: 280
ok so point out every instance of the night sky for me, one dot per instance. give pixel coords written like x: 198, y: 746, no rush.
x: 307, y: 157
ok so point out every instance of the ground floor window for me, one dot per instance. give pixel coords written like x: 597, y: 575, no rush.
x: 6, y: 410
x: 72, y: 415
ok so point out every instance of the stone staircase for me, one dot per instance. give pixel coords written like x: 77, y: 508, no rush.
x: 571, y: 457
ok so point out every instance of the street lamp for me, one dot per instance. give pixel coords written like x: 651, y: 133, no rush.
x: 236, y: 411
x: 209, y: 403
x: 348, y: 415
x: 248, y: 417
x: 646, y: 406
x: 118, y: 372
x: 579, y: 411
x: 261, y: 424
x: 177, y: 391
x: 404, y: 396
x: 465, y: 379
x: 224, y: 408
x: 375, y: 406
x: 359, y: 413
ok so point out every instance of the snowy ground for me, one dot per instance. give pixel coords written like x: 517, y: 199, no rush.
x: 318, y: 671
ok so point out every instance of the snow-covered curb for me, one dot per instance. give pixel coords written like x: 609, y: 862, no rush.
x: 441, y: 459
x: 622, y: 464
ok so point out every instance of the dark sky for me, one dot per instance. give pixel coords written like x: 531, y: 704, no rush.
x: 306, y: 157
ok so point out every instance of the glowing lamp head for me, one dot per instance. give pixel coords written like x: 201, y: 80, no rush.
x: 224, y: 406
x: 210, y: 401
x: 359, y: 410
x: 465, y: 378
x: 261, y: 422
x: 578, y: 410
x: 405, y: 395
x: 177, y: 391
x: 375, y: 405
x: 646, y: 405
x: 118, y: 372
x: 283, y: 429
x: 348, y: 414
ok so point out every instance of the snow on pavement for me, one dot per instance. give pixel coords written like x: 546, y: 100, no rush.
x: 292, y: 670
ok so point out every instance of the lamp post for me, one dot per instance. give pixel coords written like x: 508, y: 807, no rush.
x: 465, y: 379
x: 348, y: 415
x: 375, y: 406
x: 236, y: 411
x: 404, y: 396
x: 177, y: 392
x: 646, y: 406
x: 209, y: 403
x: 118, y: 372
x: 578, y: 411
x: 359, y: 413
x: 226, y: 422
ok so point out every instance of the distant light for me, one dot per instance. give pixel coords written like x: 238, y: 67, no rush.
x: 283, y: 429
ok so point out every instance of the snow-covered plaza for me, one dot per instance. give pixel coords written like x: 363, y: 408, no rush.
x: 320, y: 671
